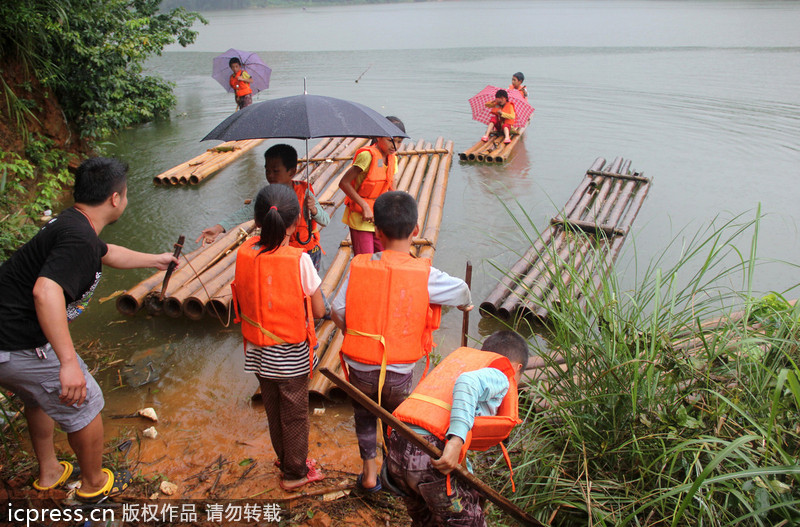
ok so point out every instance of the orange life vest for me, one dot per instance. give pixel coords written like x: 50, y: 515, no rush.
x: 244, y: 87
x: 389, y: 319
x: 379, y: 179
x: 268, y: 297
x: 430, y: 403
x: 301, y: 233
x: 508, y: 108
x: 523, y: 90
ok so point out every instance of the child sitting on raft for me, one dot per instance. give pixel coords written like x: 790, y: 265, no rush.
x: 503, y: 117
x: 516, y: 84
x: 280, y: 165
x: 279, y: 335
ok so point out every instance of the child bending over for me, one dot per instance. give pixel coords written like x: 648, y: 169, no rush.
x: 480, y: 387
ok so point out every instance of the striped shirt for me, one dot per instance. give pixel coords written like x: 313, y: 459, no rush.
x: 282, y: 361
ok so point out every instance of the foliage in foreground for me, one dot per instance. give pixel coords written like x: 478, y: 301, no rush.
x: 91, y: 55
x: 655, y: 418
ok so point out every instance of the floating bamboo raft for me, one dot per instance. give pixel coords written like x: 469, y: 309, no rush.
x: 493, y: 150
x: 604, y: 207
x: 423, y: 170
x: 209, y: 162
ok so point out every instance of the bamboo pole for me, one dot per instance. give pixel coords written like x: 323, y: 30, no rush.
x: 491, y: 146
x: 517, y: 271
x: 197, y: 263
x: 194, y: 306
x: 331, y: 361
x: 502, y: 157
x: 404, y: 430
x: 409, y: 152
x: 424, y: 199
x: 512, y: 302
x: 131, y: 301
x: 436, y: 207
x: 415, y: 183
x: 175, y: 304
x: 464, y: 156
x: 553, y: 297
x: 404, y: 179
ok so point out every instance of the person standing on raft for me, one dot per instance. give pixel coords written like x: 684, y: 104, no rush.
x: 387, y: 308
x: 240, y: 82
x: 276, y: 296
x: 503, y: 116
x: 370, y: 175
x: 45, y: 285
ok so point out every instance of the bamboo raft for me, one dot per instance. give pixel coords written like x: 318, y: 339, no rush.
x: 604, y: 206
x: 423, y: 170
x: 206, y: 164
x: 493, y: 150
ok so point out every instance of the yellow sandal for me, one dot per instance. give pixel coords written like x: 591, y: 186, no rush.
x: 69, y: 470
x: 116, y: 484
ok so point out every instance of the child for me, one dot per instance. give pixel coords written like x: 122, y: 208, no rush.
x: 389, y: 319
x: 371, y: 174
x: 516, y: 84
x: 503, y: 118
x: 277, y: 294
x: 487, y: 387
x: 240, y: 82
x: 280, y: 163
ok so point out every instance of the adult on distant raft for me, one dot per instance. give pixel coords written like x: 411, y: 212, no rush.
x: 43, y: 286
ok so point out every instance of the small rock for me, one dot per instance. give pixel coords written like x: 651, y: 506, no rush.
x: 149, y: 413
x: 168, y: 488
x: 154, y: 496
x: 151, y: 432
x: 320, y: 519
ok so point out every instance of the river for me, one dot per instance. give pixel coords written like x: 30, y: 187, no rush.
x: 702, y: 96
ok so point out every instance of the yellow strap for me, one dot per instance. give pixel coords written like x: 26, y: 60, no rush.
x: 432, y: 400
x: 266, y: 332
x: 351, y: 331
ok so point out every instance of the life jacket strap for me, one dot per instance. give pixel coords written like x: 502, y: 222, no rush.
x: 266, y: 332
x: 432, y: 400
x: 510, y: 470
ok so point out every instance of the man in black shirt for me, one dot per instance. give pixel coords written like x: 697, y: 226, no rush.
x: 43, y: 286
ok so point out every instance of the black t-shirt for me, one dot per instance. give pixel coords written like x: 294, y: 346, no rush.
x: 67, y: 251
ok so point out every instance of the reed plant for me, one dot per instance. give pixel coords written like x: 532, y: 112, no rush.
x: 672, y: 399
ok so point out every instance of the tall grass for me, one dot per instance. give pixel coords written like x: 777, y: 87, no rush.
x: 655, y: 420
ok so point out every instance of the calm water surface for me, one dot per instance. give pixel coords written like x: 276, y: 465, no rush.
x: 703, y: 97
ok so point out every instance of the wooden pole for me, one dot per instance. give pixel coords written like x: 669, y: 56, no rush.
x: 465, y: 322
x: 405, y: 431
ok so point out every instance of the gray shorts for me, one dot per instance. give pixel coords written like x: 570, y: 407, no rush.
x: 36, y: 381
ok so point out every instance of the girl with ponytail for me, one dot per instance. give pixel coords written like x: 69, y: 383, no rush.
x: 277, y: 295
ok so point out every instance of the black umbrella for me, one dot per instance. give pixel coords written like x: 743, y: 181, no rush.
x: 304, y: 117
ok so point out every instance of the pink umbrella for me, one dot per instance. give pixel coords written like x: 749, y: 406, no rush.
x: 482, y: 114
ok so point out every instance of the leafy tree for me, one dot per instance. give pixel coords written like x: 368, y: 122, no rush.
x: 91, y: 54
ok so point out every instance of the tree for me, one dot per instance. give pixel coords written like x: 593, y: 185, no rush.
x: 91, y: 54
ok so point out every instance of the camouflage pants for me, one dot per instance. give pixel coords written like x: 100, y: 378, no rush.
x: 425, y: 487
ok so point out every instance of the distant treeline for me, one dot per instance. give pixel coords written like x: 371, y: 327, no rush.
x: 210, y: 5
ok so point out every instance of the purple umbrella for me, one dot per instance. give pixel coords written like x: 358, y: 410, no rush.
x: 252, y: 63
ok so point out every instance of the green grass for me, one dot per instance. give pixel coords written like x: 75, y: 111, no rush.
x: 653, y: 420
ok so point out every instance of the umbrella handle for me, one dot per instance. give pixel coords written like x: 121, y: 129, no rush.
x: 307, y: 218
